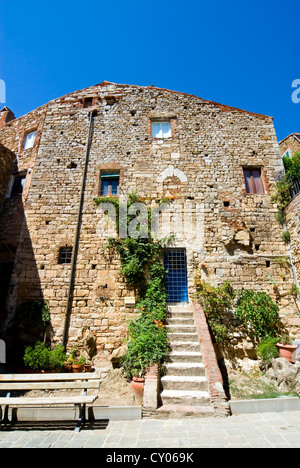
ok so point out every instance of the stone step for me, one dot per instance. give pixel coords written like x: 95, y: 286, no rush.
x: 181, y: 328
x: 184, y: 368
x: 185, y: 397
x: 183, y: 337
x: 184, y: 383
x: 183, y: 411
x: 181, y: 314
x: 185, y: 356
x: 189, y: 346
x: 181, y: 321
x: 176, y: 307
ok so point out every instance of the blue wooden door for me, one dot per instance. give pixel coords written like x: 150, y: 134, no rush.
x: 176, y: 281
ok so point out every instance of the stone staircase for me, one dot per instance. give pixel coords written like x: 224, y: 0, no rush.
x: 185, y: 389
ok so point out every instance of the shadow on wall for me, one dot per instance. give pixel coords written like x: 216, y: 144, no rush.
x: 21, y: 297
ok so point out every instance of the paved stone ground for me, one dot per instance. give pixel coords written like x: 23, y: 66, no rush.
x: 267, y: 430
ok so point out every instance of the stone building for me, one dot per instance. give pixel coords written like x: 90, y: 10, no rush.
x: 216, y: 163
x: 290, y: 145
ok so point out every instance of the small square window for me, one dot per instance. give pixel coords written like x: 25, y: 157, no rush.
x: 253, y: 180
x: 65, y: 255
x: 87, y: 102
x: 17, y: 186
x: 161, y: 129
x: 29, y: 140
x: 110, y: 184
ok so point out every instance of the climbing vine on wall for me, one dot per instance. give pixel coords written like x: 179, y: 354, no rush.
x: 142, y: 266
x: 255, y: 311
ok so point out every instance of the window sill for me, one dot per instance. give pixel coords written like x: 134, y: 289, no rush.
x: 256, y: 194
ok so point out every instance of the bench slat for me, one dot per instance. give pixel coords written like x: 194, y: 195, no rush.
x: 48, y: 385
x: 48, y: 401
x: 48, y: 377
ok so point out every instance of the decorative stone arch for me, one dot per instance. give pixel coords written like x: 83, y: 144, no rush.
x: 171, y: 171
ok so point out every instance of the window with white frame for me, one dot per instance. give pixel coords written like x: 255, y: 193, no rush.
x: 29, y: 140
x: 161, y: 129
x: 287, y: 154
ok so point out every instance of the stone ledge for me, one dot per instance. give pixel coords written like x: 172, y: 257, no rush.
x: 94, y: 413
x: 271, y: 405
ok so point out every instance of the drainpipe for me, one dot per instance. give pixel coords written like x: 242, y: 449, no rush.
x: 77, y: 236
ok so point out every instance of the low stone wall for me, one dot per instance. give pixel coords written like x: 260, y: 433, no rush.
x: 218, y: 397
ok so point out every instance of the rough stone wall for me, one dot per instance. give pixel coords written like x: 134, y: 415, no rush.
x: 292, y: 214
x: 6, y: 163
x: 200, y: 166
x: 15, y: 241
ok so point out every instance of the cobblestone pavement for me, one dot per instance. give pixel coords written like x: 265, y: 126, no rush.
x: 267, y: 430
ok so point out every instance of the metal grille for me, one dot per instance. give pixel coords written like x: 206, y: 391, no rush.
x: 65, y: 255
x: 176, y: 281
x: 295, y: 188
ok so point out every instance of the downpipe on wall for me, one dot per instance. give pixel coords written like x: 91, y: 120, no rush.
x: 77, y: 236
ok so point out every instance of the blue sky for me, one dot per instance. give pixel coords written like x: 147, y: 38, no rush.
x: 243, y: 54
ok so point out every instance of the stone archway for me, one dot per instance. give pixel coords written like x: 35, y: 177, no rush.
x: 171, y: 171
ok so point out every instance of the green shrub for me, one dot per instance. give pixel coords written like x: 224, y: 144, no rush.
x: 286, y: 237
x: 257, y: 310
x: 216, y: 301
x: 43, y: 358
x: 148, y: 344
x: 142, y: 267
x: 267, y: 349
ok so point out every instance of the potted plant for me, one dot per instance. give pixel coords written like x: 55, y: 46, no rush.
x: 137, y: 385
x: 88, y: 366
x: 286, y: 348
x: 68, y: 363
x: 78, y: 365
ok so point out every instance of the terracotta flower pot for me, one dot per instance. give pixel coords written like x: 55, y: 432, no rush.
x: 68, y: 366
x: 286, y: 351
x: 88, y: 367
x: 137, y: 385
x: 77, y: 368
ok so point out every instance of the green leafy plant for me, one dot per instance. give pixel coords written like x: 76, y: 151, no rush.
x: 40, y: 357
x: 216, y: 301
x: 284, y: 339
x: 267, y: 350
x: 286, y: 237
x: 80, y: 361
x: 280, y: 218
x: 281, y: 195
x: 282, y: 190
x: 142, y: 267
x: 257, y: 310
x: 148, y: 344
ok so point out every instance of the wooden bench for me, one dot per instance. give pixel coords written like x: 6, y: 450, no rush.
x: 27, y: 382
